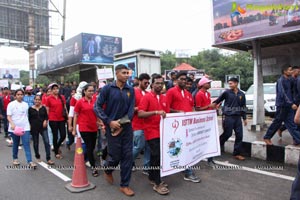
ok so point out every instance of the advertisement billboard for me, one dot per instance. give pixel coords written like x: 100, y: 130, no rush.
x: 9, y: 73
x: 241, y: 20
x: 197, y: 73
x: 131, y: 63
x: 82, y: 49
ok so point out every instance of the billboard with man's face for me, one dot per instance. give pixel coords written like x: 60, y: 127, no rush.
x: 239, y: 20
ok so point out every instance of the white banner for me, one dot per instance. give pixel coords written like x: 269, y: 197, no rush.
x: 105, y: 73
x: 186, y: 139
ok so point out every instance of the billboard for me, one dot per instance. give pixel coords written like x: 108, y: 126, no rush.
x: 131, y: 63
x: 241, y: 20
x: 14, y: 24
x: 198, y: 74
x: 9, y: 73
x: 81, y: 49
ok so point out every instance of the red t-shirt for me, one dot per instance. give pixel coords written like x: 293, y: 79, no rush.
x: 6, y: 100
x: 87, y: 119
x: 180, y: 99
x: 44, y: 99
x: 55, y: 108
x: 203, y: 99
x: 150, y: 102
x: 73, y: 102
x: 138, y: 123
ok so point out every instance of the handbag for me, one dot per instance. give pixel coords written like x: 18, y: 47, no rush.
x: 65, y: 113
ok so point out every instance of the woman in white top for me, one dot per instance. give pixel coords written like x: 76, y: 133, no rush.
x: 17, y: 116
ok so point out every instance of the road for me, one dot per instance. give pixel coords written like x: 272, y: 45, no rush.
x: 245, y: 181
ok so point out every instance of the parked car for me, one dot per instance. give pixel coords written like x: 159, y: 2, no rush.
x: 214, y: 94
x: 269, y: 98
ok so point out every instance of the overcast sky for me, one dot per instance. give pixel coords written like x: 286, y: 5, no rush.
x: 156, y: 24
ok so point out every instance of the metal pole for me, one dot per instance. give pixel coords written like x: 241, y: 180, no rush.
x: 258, y: 94
x: 63, y: 37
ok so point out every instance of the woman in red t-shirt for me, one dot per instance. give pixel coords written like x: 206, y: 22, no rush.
x: 55, y: 104
x: 86, y: 119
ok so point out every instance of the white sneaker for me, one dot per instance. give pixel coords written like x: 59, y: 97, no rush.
x: 20, y: 147
x: 87, y: 164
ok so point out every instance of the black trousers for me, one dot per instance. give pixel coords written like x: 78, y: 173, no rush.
x: 89, y: 139
x: 55, y: 126
x: 154, y: 171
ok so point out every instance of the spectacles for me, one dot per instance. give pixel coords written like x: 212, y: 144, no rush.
x: 159, y: 83
x: 146, y: 83
x: 182, y: 79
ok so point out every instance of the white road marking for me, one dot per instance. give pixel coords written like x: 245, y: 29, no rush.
x: 55, y: 172
x: 276, y: 175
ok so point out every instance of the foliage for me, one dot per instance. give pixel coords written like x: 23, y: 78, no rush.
x: 217, y: 64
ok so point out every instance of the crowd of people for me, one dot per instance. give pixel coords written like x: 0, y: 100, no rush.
x: 122, y: 121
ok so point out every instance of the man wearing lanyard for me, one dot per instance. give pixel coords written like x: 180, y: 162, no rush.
x: 180, y: 100
x: 138, y: 123
x: 234, y: 109
x: 117, y: 115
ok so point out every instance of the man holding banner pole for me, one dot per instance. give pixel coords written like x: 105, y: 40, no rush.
x: 152, y: 106
x: 180, y: 100
x: 233, y: 110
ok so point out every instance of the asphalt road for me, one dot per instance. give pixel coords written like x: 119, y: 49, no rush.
x: 233, y: 183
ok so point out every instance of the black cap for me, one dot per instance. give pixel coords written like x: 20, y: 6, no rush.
x: 233, y: 79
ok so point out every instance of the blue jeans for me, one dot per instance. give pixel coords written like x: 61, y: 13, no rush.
x: 50, y: 136
x: 26, y: 144
x: 286, y: 115
x: 138, y: 145
x: 295, y: 194
x: 35, y: 137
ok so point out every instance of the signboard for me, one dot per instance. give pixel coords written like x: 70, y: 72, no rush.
x: 239, y: 20
x: 182, y: 53
x: 9, y: 73
x: 82, y: 49
x: 105, y: 73
x: 4, y: 83
x: 198, y: 74
x: 186, y: 139
x: 131, y: 63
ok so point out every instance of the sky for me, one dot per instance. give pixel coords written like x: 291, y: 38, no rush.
x: 157, y: 24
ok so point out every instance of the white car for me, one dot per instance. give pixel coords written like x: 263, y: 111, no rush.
x: 269, y: 98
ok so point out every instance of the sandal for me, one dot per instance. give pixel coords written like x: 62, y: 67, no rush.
x: 50, y: 162
x: 16, y: 162
x: 95, y: 173
x: 162, y: 182
x: 32, y: 165
x: 58, y: 156
x: 161, y: 189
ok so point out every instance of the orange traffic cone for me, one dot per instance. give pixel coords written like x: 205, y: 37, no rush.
x: 79, y: 182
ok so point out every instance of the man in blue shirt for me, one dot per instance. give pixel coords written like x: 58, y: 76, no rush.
x: 285, y: 108
x: 114, y: 104
x: 233, y: 110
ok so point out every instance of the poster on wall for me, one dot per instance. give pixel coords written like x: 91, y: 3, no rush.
x: 131, y: 64
x: 239, y: 20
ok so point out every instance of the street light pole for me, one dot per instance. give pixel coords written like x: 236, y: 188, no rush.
x: 63, y: 37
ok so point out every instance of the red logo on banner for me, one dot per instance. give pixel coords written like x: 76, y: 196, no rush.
x: 175, y: 125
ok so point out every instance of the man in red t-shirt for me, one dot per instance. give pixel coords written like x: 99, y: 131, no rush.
x: 138, y: 123
x: 180, y: 100
x: 6, y: 97
x: 203, y: 102
x: 154, y: 105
